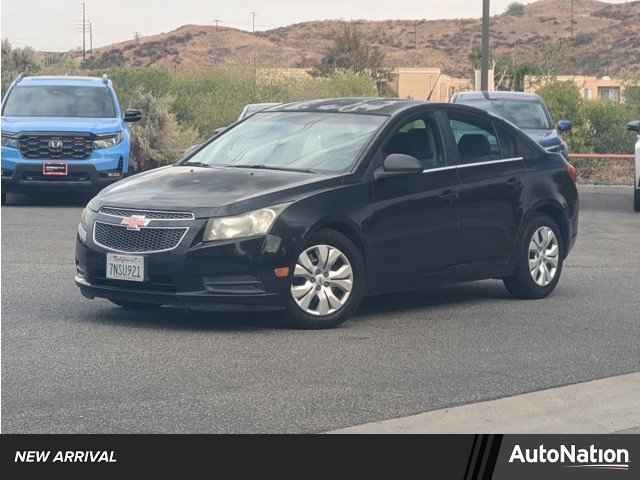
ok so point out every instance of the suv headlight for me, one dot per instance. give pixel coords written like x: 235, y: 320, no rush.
x: 9, y: 141
x: 251, y: 224
x: 108, y: 141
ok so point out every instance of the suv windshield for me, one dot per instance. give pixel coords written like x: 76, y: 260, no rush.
x: 322, y: 142
x: 523, y: 113
x: 59, y: 101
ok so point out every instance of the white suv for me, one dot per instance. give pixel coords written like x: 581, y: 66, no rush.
x: 635, y: 127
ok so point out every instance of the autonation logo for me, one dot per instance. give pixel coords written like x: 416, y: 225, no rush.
x: 574, y: 457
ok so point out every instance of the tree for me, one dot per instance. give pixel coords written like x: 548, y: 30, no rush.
x: 158, y: 139
x: 565, y: 103
x: 351, y: 52
x: 515, y: 9
x: 509, y: 75
x: 16, y: 61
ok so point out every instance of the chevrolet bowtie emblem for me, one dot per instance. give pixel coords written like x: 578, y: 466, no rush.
x: 135, y: 222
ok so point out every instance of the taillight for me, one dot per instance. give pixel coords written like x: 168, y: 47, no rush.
x: 573, y: 172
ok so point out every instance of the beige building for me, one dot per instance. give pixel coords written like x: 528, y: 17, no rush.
x: 426, y: 84
x: 591, y: 88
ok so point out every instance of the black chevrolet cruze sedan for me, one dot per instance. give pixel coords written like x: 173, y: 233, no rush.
x: 310, y: 206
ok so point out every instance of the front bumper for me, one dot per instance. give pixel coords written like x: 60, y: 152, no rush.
x: 28, y: 176
x: 236, y: 275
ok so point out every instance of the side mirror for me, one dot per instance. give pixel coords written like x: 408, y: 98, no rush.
x: 634, y: 126
x: 399, y: 164
x: 564, y: 126
x: 131, y: 115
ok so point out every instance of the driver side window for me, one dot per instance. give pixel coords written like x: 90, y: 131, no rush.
x: 419, y: 138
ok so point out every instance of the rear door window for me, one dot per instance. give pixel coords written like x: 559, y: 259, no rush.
x: 475, y: 138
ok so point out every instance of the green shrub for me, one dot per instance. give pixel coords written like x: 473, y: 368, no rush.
x: 157, y: 139
x: 515, y: 9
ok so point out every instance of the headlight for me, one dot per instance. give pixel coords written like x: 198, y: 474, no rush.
x: 9, y: 141
x: 108, y: 141
x: 85, y: 217
x: 82, y: 233
x: 250, y: 224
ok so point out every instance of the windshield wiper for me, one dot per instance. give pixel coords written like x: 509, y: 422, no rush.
x: 195, y: 164
x: 269, y: 167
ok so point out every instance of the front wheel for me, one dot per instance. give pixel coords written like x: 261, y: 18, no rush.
x: 539, y: 260
x: 636, y: 199
x: 327, y: 281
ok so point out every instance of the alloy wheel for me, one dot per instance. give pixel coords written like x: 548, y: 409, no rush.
x: 322, y: 280
x: 544, y: 255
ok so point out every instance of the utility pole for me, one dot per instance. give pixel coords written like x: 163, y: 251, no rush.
x: 216, y: 21
x: 90, y: 37
x: 572, y: 12
x: 484, y: 74
x: 253, y: 22
x: 84, y: 24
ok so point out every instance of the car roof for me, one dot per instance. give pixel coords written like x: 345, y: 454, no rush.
x: 60, y: 80
x: 498, y: 95
x: 363, y: 105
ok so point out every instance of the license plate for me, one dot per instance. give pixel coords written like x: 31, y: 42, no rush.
x: 125, y: 267
x: 55, y: 168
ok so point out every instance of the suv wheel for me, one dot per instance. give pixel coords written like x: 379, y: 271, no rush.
x: 636, y: 199
x: 327, y: 281
x: 4, y: 198
x: 539, y: 260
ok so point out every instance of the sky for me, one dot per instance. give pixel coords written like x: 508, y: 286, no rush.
x: 56, y: 25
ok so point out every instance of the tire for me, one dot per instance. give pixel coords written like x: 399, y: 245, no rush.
x: 522, y: 283
x: 636, y: 199
x: 134, y: 305
x: 4, y: 198
x: 325, y: 289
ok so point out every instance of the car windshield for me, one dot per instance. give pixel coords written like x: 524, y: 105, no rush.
x: 319, y: 142
x: 525, y: 114
x: 59, y: 101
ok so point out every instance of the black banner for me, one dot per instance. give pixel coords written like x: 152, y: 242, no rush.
x: 464, y: 457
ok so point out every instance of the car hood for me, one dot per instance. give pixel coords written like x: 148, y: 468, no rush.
x: 546, y: 138
x: 61, y: 124
x: 211, y: 192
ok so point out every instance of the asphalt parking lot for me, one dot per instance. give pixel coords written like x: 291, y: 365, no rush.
x: 71, y: 365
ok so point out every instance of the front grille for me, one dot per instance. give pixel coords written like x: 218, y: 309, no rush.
x: 145, y: 240
x: 74, y: 147
x: 150, y: 214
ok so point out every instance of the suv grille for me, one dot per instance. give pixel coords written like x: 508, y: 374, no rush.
x: 74, y: 147
x: 150, y: 214
x: 145, y: 240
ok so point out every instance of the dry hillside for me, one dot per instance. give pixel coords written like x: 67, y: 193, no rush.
x: 606, y: 41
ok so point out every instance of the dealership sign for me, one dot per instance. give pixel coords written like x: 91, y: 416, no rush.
x: 571, y: 456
